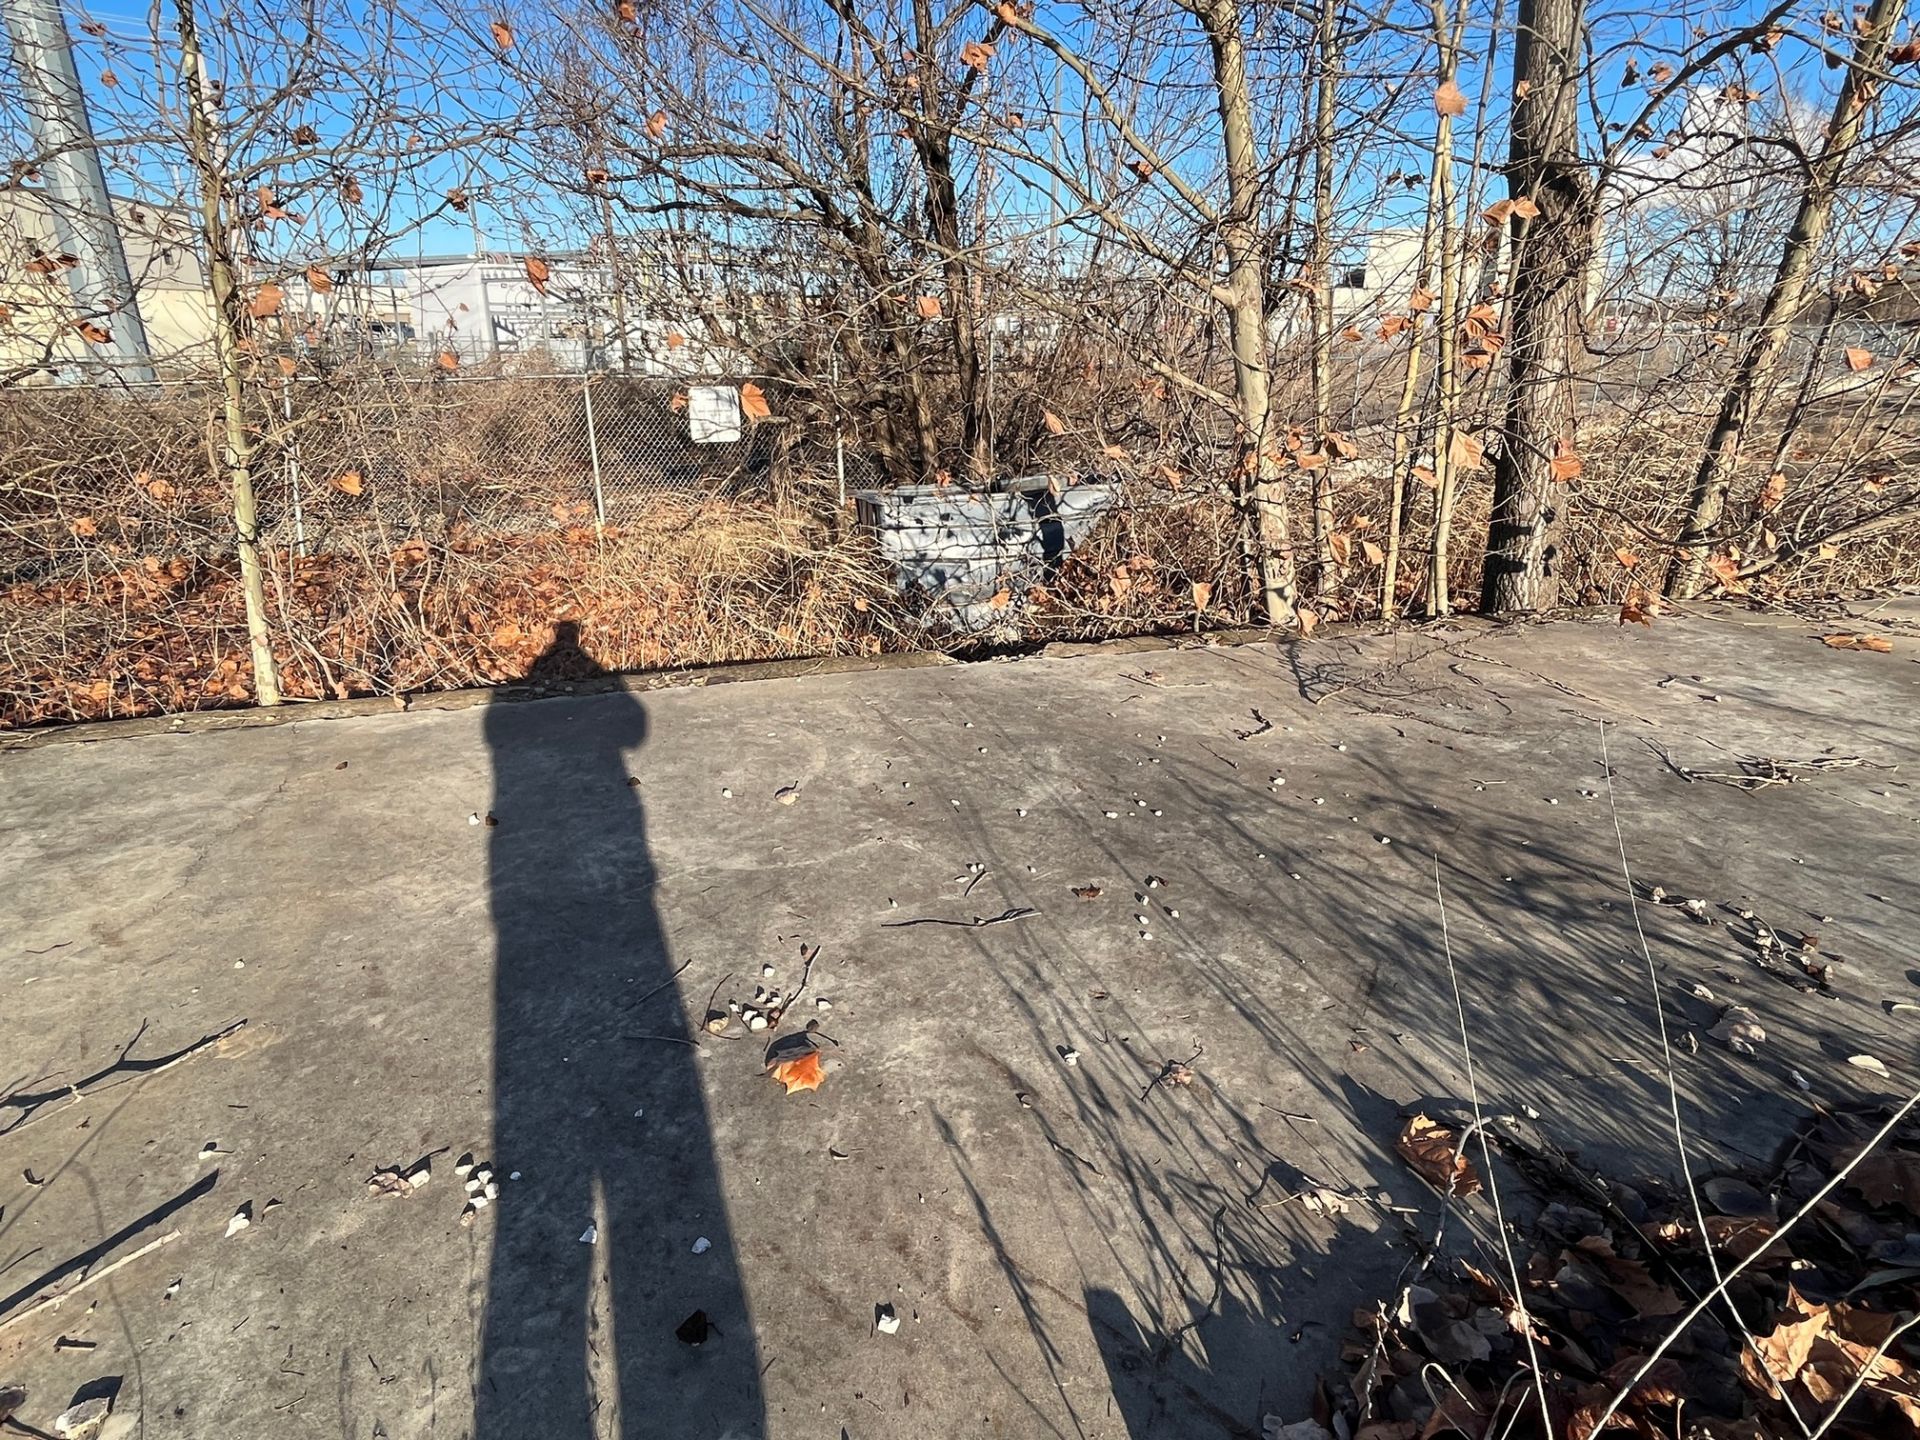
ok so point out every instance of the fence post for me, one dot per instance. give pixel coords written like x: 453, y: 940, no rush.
x: 293, y: 469
x: 593, y: 454
x: 839, y: 439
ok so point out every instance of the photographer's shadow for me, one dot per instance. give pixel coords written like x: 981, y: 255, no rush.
x: 590, y: 1324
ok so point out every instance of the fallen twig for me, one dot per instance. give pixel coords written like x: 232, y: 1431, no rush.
x: 47, y: 1302
x: 976, y: 923
x: 661, y: 986
x: 30, y: 1104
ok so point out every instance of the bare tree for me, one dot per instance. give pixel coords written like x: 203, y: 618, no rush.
x: 1553, y: 259
x: 1720, y: 456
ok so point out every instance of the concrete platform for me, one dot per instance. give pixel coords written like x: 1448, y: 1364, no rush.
x: 1071, y: 1250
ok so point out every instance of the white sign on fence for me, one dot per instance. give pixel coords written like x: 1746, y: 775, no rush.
x: 713, y: 414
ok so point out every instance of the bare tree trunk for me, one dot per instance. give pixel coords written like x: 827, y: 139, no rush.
x: 1404, y: 430
x: 933, y: 144
x: 1552, y: 263
x: 1720, y: 460
x: 1244, y: 297
x: 230, y: 345
x: 1446, y: 366
x: 1326, y: 575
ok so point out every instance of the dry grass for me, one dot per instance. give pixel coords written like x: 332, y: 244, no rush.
x: 448, y: 530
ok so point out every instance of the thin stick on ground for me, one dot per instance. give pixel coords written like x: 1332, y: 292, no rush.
x: 30, y: 1105
x: 1673, y: 1083
x: 1486, y: 1159
x: 48, y: 1302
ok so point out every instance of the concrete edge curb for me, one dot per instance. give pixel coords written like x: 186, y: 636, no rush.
x: 200, y: 722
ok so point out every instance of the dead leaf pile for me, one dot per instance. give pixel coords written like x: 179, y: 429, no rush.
x: 1610, y: 1268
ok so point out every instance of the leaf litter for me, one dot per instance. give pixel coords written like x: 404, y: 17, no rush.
x: 1830, y: 1306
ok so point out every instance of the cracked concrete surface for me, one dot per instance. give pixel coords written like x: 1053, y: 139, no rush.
x: 1068, y: 1256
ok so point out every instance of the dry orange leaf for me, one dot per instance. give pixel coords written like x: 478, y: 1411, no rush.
x: 266, y: 301
x: 318, y: 280
x: 1426, y: 477
x: 753, y: 404
x: 447, y: 360
x: 538, y: 273
x: 1726, y: 570
x: 657, y: 124
x: 1522, y: 89
x: 1450, y: 99
x: 350, y: 191
x: 1421, y: 299
x: 1375, y: 555
x: 928, y: 306
x: 1878, y: 643
x: 801, y: 1074
x: 1858, y: 359
x: 678, y: 402
x: 1464, y: 452
x: 1306, y: 619
x: 1429, y: 1147
x: 1774, y: 491
x: 1566, y: 463
x: 96, y: 334
x: 1311, y: 460
x: 1340, y: 547
x: 285, y: 364
x: 976, y: 55
x: 1052, y: 422
x: 502, y: 34
x: 347, y: 482
x: 1000, y: 598
x: 1352, y: 332
x: 1626, y: 557
x: 1202, y: 594
x: 675, y: 339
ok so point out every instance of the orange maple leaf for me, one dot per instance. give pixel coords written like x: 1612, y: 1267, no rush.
x: 801, y: 1074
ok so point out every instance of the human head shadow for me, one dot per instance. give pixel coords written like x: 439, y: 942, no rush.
x: 597, y: 1103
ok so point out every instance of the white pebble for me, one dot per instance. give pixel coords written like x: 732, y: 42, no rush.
x: 1172, y: 914
x: 1021, y: 813
x: 590, y: 1235
x: 726, y: 794
x: 823, y: 1003
x: 768, y: 971
x: 1141, y: 920
x: 702, y: 1245
x: 474, y: 818
x: 1111, y: 814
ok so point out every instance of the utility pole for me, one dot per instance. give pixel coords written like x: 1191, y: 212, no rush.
x: 84, y: 225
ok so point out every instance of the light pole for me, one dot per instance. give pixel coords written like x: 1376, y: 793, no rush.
x: 84, y: 225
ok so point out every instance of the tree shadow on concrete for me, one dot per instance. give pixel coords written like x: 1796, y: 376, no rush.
x: 597, y: 1106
